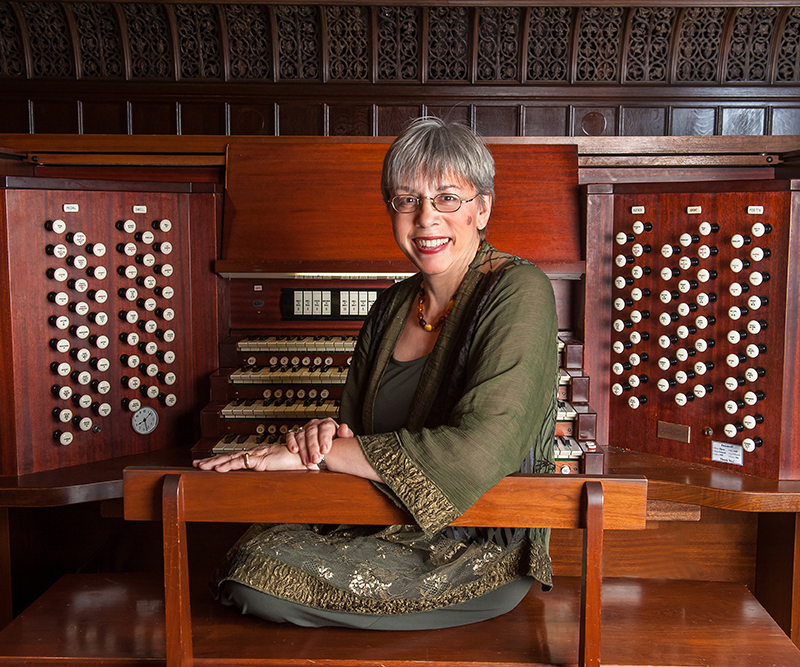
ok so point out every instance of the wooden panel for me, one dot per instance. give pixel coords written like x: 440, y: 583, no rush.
x: 545, y: 121
x: 643, y: 122
x: 55, y: 117
x: 252, y: 119
x: 14, y: 116
x: 743, y: 121
x: 276, y: 210
x: 300, y: 119
x: 105, y: 117
x: 693, y: 352
x: 202, y: 118
x: 595, y: 121
x: 393, y: 119
x: 688, y: 121
x: 56, y: 353
x: 350, y: 120
x: 456, y: 113
x: 154, y: 118
x: 495, y: 121
x: 786, y: 121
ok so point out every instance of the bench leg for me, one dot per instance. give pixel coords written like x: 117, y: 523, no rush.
x: 591, y: 576
x: 176, y: 576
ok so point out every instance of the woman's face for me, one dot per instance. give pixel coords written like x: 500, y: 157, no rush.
x: 441, y: 244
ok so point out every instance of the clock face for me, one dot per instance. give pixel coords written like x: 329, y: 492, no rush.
x: 144, y: 420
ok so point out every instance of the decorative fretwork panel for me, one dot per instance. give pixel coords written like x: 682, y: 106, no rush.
x: 498, y: 43
x: 298, y: 42
x: 148, y: 36
x: 348, y: 43
x: 648, y: 44
x: 198, y: 42
x: 98, y: 39
x: 748, y: 54
x: 12, y: 59
x: 599, y: 44
x: 48, y: 37
x: 549, y: 32
x: 700, y: 44
x: 249, y: 42
x: 398, y: 43
x: 788, y: 68
x: 448, y: 44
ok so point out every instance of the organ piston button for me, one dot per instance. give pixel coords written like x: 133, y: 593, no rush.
x: 132, y: 404
x: 734, y: 337
x: 752, y: 350
x: 757, y: 254
x: 733, y: 360
x: 618, y: 325
x: 666, y: 273
x: 748, y: 444
x: 619, y: 304
x: 705, y: 228
x: 731, y: 383
x: 168, y: 400
x: 622, y: 238
x: 617, y: 369
x: 165, y: 225
x: 63, y: 415
x: 96, y: 249
x: 164, y: 247
x: 60, y: 322
x: 734, y: 312
x: 616, y: 389
x: 681, y: 399
x: 699, y: 390
x: 700, y: 368
x: 165, y: 270
x: 78, y: 238
x: 736, y: 265
x: 63, y: 437
x: 758, y: 229
x: 637, y: 272
x: 128, y: 226
x: 749, y: 422
x: 664, y: 364
x: 634, y: 402
x: 752, y: 374
x: 57, y: 226
x: 144, y: 237
x: 757, y: 277
x: 737, y: 241
x: 103, y: 409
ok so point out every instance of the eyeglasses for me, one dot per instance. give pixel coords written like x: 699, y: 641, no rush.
x: 445, y: 202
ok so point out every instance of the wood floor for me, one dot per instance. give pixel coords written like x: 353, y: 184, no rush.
x: 118, y: 620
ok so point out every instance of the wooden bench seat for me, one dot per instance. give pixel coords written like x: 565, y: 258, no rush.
x: 118, y: 620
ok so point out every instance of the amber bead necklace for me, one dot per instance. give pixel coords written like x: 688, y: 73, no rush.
x: 421, y: 303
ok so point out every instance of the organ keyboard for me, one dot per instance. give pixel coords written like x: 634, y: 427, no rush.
x: 279, y: 382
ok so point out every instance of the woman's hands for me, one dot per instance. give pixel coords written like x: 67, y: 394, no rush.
x: 263, y: 458
x: 304, y: 449
x: 315, y: 440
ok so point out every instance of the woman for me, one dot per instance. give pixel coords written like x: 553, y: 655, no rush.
x: 451, y: 387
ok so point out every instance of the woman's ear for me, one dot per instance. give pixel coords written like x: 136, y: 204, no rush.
x: 485, y: 210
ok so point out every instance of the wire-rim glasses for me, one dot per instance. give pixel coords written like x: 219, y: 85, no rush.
x: 445, y: 202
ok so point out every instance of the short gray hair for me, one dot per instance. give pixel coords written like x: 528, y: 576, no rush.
x: 437, y: 149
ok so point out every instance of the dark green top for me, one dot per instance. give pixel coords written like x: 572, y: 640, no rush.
x: 484, y: 408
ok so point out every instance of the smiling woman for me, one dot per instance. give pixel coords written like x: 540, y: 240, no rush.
x: 451, y: 388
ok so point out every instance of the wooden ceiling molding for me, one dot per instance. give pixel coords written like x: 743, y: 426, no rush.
x: 353, y: 68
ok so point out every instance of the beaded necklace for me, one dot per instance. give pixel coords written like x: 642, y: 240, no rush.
x: 421, y: 303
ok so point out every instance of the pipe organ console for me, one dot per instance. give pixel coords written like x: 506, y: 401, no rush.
x: 278, y: 378
x: 301, y: 284
x: 705, y: 324
x: 97, y: 320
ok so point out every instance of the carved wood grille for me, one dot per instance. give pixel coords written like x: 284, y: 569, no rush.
x: 610, y: 45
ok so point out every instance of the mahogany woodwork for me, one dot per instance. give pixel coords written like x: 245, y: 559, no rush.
x: 725, y: 204
x: 548, y: 501
x: 30, y: 316
x: 118, y: 620
x: 333, y: 191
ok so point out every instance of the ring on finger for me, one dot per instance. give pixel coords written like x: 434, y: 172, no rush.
x: 247, y: 460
